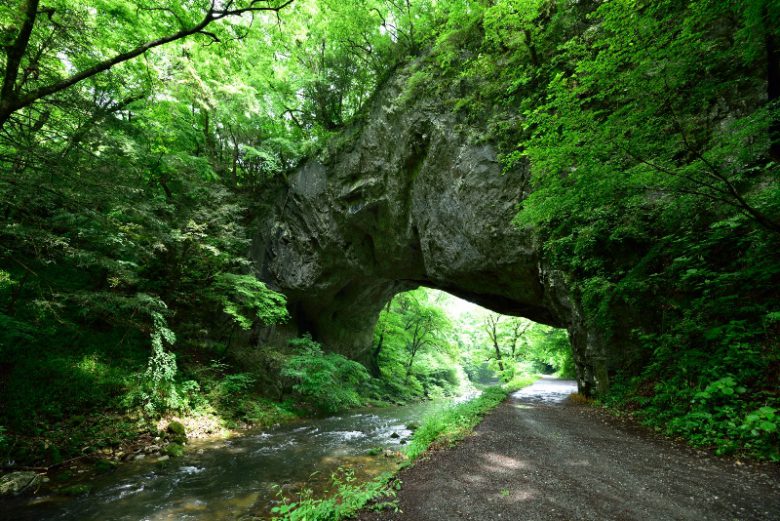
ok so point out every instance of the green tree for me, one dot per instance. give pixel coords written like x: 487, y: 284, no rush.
x: 38, y: 38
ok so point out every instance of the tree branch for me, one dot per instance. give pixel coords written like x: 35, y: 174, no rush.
x: 10, y: 102
x: 715, y: 173
x: 15, y: 53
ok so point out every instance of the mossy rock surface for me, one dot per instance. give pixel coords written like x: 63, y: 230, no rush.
x: 64, y: 476
x: 176, y: 432
x: 174, y: 450
x: 105, y: 465
x: 17, y: 483
x: 75, y: 490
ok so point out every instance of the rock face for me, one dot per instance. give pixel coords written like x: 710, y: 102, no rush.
x: 410, y: 197
x: 17, y: 483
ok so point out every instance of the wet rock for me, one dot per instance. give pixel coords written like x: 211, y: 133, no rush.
x: 63, y: 476
x: 174, y: 450
x: 395, y: 435
x: 104, y: 465
x: 75, y: 490
x: 17, y: 483
x: 413, y: 426
x: 177, y: 432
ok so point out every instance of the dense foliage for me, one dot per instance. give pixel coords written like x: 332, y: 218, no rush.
x: 651, y: 132
x: 134, y: 135
x: 330, y: 381
x: 415, y: 347
x: 512, y: 345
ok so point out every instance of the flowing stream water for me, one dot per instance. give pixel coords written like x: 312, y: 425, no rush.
x: 236, y: 478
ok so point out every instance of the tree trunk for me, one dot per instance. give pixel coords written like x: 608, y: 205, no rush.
x: 498, y: 356
x: 773, y: 88
x: 409, y: 369
x: 531, y: 48
x: 374, y: 362
x: 234, y: 169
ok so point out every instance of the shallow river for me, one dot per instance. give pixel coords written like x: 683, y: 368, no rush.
x: 235, y: 479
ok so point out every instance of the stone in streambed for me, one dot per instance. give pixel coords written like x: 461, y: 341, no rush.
x: 177, y: 432
x: 105, y: 465
x: 17, y: 483
x: 174, y: 450
x: 75, y: 490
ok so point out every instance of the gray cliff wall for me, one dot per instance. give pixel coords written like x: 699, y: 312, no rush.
x: 409, y: 197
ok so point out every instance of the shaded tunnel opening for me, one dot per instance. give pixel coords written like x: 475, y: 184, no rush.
x: 434, y: 343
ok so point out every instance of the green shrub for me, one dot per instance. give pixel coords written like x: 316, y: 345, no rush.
x: 328, y: 381
x: 348, y: 498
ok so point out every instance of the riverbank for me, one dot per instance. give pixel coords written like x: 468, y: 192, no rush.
x: 186, y: 438
x: 113, y: 438
x: 440, y: 430
x: 244, y: 475
x: 62, y: 447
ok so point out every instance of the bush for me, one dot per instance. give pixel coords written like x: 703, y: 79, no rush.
x: 329, y: 381
x: 349, y: 497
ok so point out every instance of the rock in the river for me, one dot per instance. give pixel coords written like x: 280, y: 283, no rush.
x: 177, y: 432
x: 105, y: 465
x: 174, y: 450
x: 75, y: 490
x: 17, y: 483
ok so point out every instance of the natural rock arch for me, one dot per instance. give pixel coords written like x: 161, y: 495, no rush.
x: 409, y: 197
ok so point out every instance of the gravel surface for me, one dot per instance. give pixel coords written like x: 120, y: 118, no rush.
x: 539, y: 456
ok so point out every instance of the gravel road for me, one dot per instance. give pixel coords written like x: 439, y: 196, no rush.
x: 540, y: 457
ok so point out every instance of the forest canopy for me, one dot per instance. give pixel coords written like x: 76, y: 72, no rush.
x: 140, y: 140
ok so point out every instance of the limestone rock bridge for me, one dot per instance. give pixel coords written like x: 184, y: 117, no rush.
x: 410, y: 196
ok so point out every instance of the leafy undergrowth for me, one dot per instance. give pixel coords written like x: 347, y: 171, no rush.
x: 440, y: 429
x: 349, y: 497
x: 721, y: 415
x: 83, y: 406
x: 62, y: 404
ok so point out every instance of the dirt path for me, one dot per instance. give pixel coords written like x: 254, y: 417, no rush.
x: 537, y: 456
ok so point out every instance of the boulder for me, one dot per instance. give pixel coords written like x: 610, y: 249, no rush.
x: 17, y: 483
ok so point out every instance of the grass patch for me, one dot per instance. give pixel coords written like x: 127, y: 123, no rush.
x: 450, y: 425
